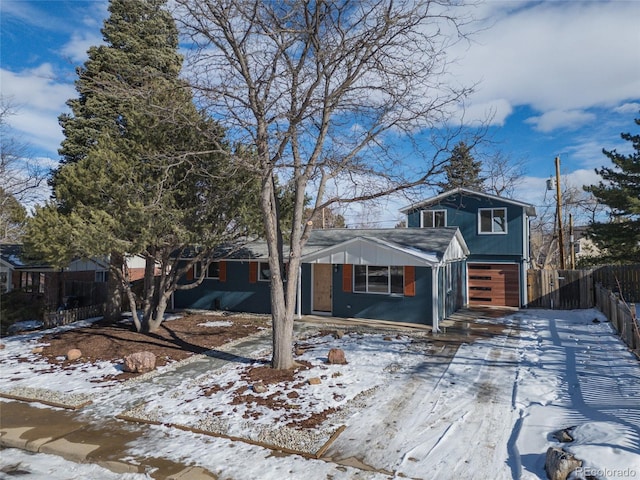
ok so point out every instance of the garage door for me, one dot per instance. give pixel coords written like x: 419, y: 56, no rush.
x: 494, y: 284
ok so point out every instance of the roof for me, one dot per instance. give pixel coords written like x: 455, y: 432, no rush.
x: 392, y: 246
x: 13, y: 255
x: 530, y: 209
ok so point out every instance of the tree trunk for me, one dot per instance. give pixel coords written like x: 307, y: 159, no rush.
x: 113, y: 308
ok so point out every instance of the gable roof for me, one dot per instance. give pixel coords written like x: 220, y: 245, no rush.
x: 12, y: 255
x: 395, y: 246
x: 529, y: 209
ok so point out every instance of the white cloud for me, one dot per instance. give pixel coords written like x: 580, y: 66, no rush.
x: 561, y: 57
x: 39, y: 97
x: 553, y: 119
x: 76, y: 48
x: 631, y: 107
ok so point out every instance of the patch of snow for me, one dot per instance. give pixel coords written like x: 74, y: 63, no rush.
x: 221, y: 323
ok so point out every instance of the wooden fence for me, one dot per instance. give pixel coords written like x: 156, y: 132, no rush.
x: 560, y: 289
x: 571, y: 289
x: 64, y: 317
x: 623, y: 316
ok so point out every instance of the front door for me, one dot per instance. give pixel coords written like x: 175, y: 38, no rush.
x: 322, y: 273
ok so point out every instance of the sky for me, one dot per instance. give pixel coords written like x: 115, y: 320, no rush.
x: 557, y: 78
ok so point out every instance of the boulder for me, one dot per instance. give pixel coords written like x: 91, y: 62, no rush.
x: 74, y: 354
x: 564, y: 435
x: 139, y: 362
x: 1, y: 346
x: 259, y: 387
x: 37, y: 349
x: 314, y: 381
x: 559, y: 464
x: 336, y: 357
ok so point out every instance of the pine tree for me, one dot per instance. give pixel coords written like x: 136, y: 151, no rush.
x: 619, y: 239
x: 462, y: 170
x: 143, y: 172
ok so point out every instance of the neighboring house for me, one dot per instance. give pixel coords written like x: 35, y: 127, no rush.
x: 82, y: 282
x: 404, y: 275
x: 583, y: 246
x: 496, y: 231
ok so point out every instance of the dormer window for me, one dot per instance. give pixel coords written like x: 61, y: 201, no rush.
x: 433, y: 218
x: 492, y: 220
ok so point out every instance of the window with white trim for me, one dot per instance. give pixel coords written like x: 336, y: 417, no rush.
x: 101, y: 276
x: 492, y: 220
x: 433, y: 218
x: 213, y: 270
x: 378, y: 279
x: 264, y: 272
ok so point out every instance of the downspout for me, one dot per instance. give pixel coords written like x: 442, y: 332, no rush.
x: 299, y: 295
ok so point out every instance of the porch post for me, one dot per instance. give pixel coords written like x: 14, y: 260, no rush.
x: 299, y: 295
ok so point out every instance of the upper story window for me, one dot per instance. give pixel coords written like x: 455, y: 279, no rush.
x: 378, y: 279
x: 433, y: 218
x: 492, y: 220
x: 213, y: 271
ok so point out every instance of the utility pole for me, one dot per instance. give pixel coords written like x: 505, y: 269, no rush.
x: 559, y: 212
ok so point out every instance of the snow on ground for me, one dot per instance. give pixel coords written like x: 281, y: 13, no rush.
x: 487, y: 410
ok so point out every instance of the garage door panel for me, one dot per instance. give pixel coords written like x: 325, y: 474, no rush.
x: 494, y: 284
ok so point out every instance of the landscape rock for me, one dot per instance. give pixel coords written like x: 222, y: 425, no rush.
x: 259, y: 387
x: 336, y: 357
x: 140, y: 362
x: 387, y: 339
x: 299, y: 351
x: 37, y: 350
x: 559, y: 464
x: 338, y: 334
x: 1, y: 346
x: 74, y: 354
x: 564, y: 435
x: 314, y: 381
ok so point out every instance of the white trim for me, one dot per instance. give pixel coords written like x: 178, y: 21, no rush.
x: 433, y: 212
x: 492, y: 232
x: 431, y: 200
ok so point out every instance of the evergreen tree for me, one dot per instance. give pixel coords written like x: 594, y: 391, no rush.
x: 462, y: 170
x: 13, y: 216
x: 619, y: 239
x: 143, y: 172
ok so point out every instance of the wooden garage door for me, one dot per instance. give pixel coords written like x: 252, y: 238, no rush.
x: 494, y: 284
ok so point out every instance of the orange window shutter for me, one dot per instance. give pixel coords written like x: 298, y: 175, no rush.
x: 347, y: 274
x: 190, y: 273
x: 222, y: 273
x: 253, y: 272
x: 410, y: 281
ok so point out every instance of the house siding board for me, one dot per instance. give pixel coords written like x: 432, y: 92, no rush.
x: 399, y: 308
x: 462, y: 212
x: 235, y: 294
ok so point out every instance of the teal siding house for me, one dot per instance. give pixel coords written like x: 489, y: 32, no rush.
x: 403, y: 275
x: 496, y: 231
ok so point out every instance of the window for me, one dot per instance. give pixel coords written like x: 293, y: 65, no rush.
x: 492, y: 220
x: 264, y: 272
x: 4, y: 282
x: 101, y: 277
x: 434, y: 218
x: 377, y: 279
x: 213, y: 271
x: 32, y: 282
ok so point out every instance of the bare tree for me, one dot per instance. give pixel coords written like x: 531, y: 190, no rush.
x: 502, y: 174
x: 324, y: 91
x: 20, y: 178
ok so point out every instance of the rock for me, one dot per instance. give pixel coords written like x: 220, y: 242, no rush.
x: 314, y: 381
x: 37, y: 350
x: 1, y: 346
x: 387, y: 339
x: 140, y: 362
x: 564, y: 435
x: 299, y: 351
x: 74, y: 354
x: 259, y: 387
x: 336, y: 357
x: 338, y: 334
x: 559, y: 464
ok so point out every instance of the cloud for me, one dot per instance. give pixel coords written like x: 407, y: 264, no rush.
x: 561, y: 58
x: 76, y: 49
x: 39, y: 97
x: 554, y: 119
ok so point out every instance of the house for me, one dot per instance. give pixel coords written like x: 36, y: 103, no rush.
x: 83, y: 280
x: 405, y: 275
x: 496, y: 231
